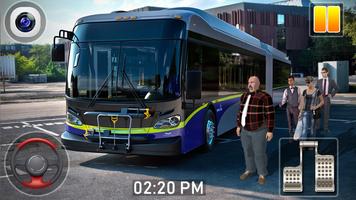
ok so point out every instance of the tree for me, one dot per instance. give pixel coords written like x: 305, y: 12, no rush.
x: 335, y: 48
x: 54, y: 72
x: 24, y: 65
x: 332, y: 48
x: 39, y: 62
x: 41, y: 55
x: 350, y: 24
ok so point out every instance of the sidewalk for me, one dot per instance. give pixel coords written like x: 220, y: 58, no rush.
x: 32, y: 92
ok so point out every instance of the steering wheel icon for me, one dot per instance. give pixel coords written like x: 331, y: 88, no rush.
x: 36, y: 165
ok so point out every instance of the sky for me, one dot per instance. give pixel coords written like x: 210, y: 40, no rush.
x: 62, y: 14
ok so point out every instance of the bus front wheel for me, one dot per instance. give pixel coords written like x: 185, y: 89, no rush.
x: 210, y: 130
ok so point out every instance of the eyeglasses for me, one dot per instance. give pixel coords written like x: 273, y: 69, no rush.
x: 307, y: 82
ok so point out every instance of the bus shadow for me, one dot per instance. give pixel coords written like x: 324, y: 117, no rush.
x: 221, y: 167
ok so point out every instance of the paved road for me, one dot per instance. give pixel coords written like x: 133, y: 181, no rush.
x: 28, y: 92
x: 105, y: 176
x: 31, y: 110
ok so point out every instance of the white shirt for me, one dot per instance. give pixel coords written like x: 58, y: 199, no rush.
x: 327, y: 86
x: 244, y: 111
x: 285, y: 93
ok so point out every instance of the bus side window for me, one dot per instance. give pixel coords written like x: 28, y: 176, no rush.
x: 194, y: 57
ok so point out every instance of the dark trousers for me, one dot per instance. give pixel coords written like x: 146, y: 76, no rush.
x: 325, y: 111
x: 292, y: 116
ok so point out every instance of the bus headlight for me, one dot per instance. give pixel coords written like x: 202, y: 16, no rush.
x: 73, y: 119
x: 170, y: 122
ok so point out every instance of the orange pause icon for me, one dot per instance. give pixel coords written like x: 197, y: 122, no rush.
x: 326, y: 19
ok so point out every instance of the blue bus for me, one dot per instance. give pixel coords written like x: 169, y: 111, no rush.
x: 159, y: 82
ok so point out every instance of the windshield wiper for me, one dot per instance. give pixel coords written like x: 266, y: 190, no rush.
x: 98, y: 92
x: 132, y: 88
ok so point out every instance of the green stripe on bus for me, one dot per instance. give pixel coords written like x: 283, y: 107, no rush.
x: 150, y: 130
x: 147, y: 130
x: 227, y: 98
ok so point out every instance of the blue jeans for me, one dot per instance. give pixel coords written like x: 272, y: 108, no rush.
x: 309, y: 128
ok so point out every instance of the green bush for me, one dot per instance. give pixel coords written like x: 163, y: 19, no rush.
x: 24, y: 66
x: 54, y: 72
x: 39, y: 63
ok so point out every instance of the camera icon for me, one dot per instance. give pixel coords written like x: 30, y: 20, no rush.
x: 25, y: 22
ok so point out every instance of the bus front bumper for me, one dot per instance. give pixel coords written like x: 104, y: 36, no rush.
x: 160, y: 147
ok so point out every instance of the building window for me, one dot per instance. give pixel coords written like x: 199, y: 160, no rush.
x: 280, y: 19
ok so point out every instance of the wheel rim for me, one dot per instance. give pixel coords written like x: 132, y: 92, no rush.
x: 210, y: 132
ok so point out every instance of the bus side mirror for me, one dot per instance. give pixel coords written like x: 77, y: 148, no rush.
x: 58, y: 53
x: 58, y: 50
x: 194, y: 84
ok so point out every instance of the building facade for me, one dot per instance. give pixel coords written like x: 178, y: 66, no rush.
x: 24, y: 49
x: 283, y: 27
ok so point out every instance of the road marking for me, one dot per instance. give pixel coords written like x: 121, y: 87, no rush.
x: 28, y: 125
x: 42, y: 129
x: 7, y: 127
x: 36, y: 125
x: 339, y: 120
x: 340, y: 100
x: 5, y: 176
x: 349, y: 122
x: 4, y: 145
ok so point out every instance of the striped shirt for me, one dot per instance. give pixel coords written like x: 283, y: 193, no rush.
x: 260, y: 111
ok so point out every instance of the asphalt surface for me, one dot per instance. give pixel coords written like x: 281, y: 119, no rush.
x: 109, y: 176
x: 41, y: 108
x: 31, y: 92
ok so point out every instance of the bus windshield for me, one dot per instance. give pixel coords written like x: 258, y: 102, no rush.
x: 150, y: 66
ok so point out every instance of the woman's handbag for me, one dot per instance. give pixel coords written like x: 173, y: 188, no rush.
x: 298, y: 130
x: 316, y: 113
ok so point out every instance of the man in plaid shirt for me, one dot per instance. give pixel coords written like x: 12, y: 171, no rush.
x: 255, y: 123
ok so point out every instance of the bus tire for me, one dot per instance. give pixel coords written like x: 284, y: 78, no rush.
x: 209, y: 130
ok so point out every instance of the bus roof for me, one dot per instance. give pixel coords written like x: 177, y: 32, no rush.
x: 197, y: 21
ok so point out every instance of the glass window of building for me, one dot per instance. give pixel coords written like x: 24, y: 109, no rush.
x: 280, y: 19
